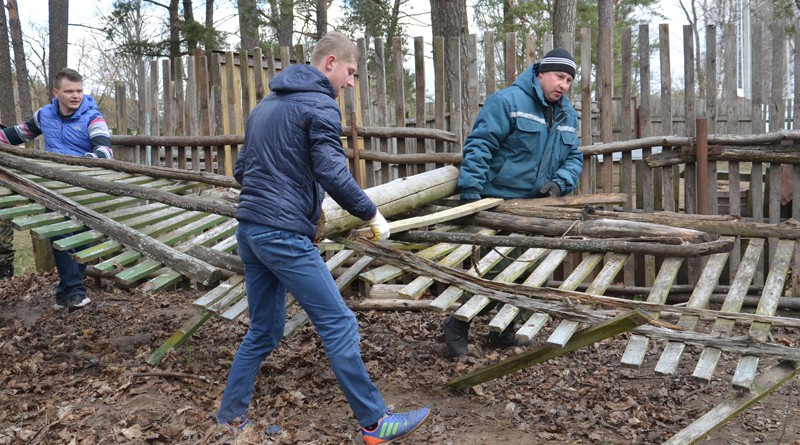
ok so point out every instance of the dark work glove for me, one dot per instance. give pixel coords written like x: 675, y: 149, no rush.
x: 551, y: 189
x: 469, y: 196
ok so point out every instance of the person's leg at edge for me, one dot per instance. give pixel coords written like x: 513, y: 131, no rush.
x: 70, y: 274
x: 299, y: 265
x: 266, y: 300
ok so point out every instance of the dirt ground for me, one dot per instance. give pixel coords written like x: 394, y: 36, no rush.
x: 81, y: 379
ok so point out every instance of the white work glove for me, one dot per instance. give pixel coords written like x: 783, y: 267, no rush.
x: 379, y: 226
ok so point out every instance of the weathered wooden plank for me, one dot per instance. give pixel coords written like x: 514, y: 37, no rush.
x: 615, y: 326
x: 747, y: 367
x: 136, y: 222
x: 147, y: 267
x: 670, y: 358
x: 637, y: 345
x: 477, y: 302
x: 219, y: 291
x: 162, y: 282
x: 737, y: 403
x: 538, y: 320
x: 438, y: 217
x: 453, y: 259
x: 567, y: 328
x: 709, y: 358
x: 388, y: 272
x: 522, y: 263
x: 21, y: 211
x: 154, y: 230
x: 186, y: 330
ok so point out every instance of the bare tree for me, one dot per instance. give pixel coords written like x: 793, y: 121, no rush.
x: 58, y: 23
x: 19, y: 60
x: 565, y: 18
x: 7, y: 104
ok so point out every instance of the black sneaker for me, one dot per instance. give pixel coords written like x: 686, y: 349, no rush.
x: 73, y: 302
x: 455, y: 336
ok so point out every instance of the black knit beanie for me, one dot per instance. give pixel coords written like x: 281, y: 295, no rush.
x: 558, y: 59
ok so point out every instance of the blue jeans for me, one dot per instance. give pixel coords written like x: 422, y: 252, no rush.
x: 70, y: 272
x: 276, y: 261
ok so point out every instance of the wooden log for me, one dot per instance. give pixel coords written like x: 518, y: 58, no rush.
x: 392, y: 198
x: 652, y: 247
x: 127, y: 167
x: 187, y: 265
x: 677, y: 141
x: 408, y: 158
x: 594, y: 228
x: 217, y: 258
x: 715, y: 224
x: 779, y: 154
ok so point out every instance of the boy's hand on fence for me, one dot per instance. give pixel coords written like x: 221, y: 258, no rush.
x: 379, y: 227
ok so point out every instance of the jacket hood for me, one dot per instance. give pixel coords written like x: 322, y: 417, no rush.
x: 301, y: 78
x: 529, y: 83
x: 87, y: 104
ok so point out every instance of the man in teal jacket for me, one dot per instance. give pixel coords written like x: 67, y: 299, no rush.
x: 524, y: 144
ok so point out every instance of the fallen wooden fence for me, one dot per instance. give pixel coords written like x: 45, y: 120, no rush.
x: 159, y: 232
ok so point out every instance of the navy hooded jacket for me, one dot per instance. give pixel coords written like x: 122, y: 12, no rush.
x: 292, y: 153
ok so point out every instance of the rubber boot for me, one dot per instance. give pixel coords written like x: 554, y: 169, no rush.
x: 6, y: 270
x: 455, y: 336
x: 505, y: 339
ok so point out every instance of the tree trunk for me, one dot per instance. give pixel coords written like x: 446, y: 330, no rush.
x: 19, y: 61
x: 322, y: 18
x: 209, y: 15
x: 59, y: 33
x: 188, y: 17
x: 449, y: 19
x: 564, y: 23
x: 7, y: 104
x: 174, y: 30
x: 284, y: 22
x: 248, y: 24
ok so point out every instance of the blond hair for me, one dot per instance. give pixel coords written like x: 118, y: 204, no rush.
x: 337, y: 44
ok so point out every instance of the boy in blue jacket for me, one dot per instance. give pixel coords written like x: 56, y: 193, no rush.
x: 72, y: 125
x: 524, y: 144
x: 292, y: 155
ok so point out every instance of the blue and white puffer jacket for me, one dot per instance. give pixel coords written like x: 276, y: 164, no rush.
x: 83, y: 133
x: 292, y: 154
x: 512, y: 152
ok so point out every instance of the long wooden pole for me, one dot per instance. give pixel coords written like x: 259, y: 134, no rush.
x: 580, y: 245
x: 702, y: 166
x: 181, y: 262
